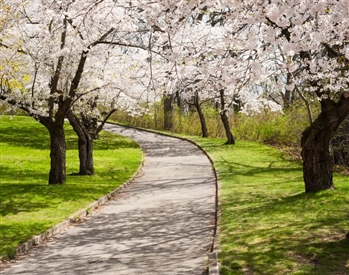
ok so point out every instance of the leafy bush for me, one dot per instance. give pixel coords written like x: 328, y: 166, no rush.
x: 274, y: 128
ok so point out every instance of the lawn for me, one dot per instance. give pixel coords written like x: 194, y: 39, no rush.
x: 28, y: 205
x: 268, y: 224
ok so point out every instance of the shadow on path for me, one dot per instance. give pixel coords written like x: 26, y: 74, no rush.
x: 161, y: 224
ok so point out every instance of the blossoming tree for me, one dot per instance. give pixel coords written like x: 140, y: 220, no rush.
x: 50, y: 43
x: 313, y: 37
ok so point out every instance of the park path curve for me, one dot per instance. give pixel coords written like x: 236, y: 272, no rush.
x: 163, y: 223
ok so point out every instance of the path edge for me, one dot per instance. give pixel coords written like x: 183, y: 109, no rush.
x: 213, y: 264
x: 74, y: 218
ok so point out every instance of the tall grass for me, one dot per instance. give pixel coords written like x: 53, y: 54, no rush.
x: 269, y: 127
x: 183, y: 123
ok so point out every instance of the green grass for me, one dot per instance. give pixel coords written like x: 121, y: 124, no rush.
x: 268, y: 224
x: 28, y: 205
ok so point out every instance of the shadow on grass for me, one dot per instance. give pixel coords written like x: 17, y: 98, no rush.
x: 34, y: 137
x: 37, y: 136
x: 325, y: 257
x: 108, y: 141
x: 251, y: 171
x: 295, y: 232
x: 269, y: 225
x: 328, y: 252
x: 15, y: 199
x: 12, y: 236
x: 35, y: 194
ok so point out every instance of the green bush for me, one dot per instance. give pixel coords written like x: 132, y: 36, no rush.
x: 273, y: 127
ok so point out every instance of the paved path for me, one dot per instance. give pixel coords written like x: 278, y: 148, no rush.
x: 161, y: 224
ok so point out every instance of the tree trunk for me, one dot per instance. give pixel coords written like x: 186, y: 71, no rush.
x: 317, y: 159
x: 86, y: 155
x: 225, y: 120
x: 58, y: 154
x: 178, y: 99
x: 340, y: 144
x: 316, y: 155
x: 226, y: 124
x: 168, y: 112
x: 85, y: 145
x: 287, y: 97
x: 197, y: 105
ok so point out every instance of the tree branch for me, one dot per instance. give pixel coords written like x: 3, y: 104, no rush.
x: 131, y: 46
x: 100, y: 127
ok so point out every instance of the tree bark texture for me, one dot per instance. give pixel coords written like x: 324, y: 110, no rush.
x: 316, y: 155
x: 226, y: 124
x: 102, y: 123
x: 340, y: 144
x: 225, y: 120
x: 168, y: 112
x: 85, y: 145
x: 57, y: 173
x: 203, y: 124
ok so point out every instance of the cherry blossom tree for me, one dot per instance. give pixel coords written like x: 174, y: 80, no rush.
x: 313, y: 37
x: 50, y: 42
x: 90, y: 112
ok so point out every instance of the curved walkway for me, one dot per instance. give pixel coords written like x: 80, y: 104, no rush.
x: 163, y: 223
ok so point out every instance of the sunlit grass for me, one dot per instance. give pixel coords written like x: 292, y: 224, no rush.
x: 268, y: 224
x: 28, y: 205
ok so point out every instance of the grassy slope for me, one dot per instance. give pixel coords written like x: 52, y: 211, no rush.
x: 28, y: 205
x: 268, y: 224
